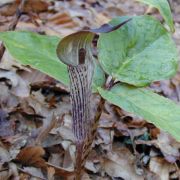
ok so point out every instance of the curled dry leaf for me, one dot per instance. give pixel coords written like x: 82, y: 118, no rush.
x: 32, y: 156
x: 120, y: 163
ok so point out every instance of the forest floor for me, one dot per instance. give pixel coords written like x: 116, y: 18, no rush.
x: 36, y: 140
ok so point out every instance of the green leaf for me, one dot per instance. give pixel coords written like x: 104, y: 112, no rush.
x: 162, y: 112
x: 164, y: 9
x: 139, y: 53
x: 98, y: 78
x: 39, y: 52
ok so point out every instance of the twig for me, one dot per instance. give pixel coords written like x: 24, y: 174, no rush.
x: 13, y: 25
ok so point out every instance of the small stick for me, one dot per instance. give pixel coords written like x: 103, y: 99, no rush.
x: 13, y: 25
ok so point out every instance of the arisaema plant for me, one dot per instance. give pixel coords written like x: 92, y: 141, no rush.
x: 132, y: 56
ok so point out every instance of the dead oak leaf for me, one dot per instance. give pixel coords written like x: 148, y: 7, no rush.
x: 32, y: 156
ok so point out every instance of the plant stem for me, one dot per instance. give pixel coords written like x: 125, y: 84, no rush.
x: 86, y: 145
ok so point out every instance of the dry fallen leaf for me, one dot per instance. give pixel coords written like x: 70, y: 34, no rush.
x: 19, y: 86
x: 33, y: 172
x: 32, y: 156
x: 90, y: 166
x: 162, y: 168
x: 9, y: 63
x: 50, y: 173
x: 120, y: 163
x: 62, y: 171
x: 63, y: 19
x: 168, y: 146
x: 4, y: 155
x: 6, y: 126
x: 37, y: 6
